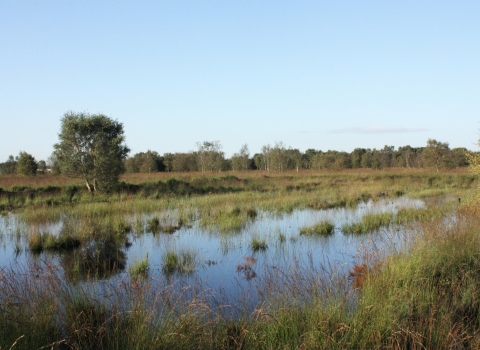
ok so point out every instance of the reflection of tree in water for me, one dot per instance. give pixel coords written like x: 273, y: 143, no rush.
x: 246, y: 268
x: 100, y: 257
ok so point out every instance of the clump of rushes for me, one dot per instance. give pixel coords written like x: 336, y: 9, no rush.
x: 181, y: 263
x: 36, y: 242
x: 139, y: 269
x: 101, y: 255
x: 84, y: 320
x: 138, y: 226
x: 235, y: 211
x: 324, y: 228
x: 122, y: 228
x: 153, y: 225
x: 170, y: 228
x: 61, y: 242
x: 369, y: 223
x: 170, y: 262
x: 252, y: 213
x: 258, y: 244
x: 407, y: 215
x: 46, y: 241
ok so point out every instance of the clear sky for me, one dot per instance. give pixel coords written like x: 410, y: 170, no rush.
x: 312, y: 74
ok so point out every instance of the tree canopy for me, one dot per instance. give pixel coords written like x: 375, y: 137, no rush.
x: 26, y: 164
x: 93, y: 147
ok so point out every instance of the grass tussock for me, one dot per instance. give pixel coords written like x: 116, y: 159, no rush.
x: 258, y: 244
x: 324, y: 228
x: 139, y: 269
x: 182, y: 262
x: 46, y: 241
x: 369, y: 223
x: 373, y: 221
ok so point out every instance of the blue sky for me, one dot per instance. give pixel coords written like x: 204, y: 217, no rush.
x: 312, y: 74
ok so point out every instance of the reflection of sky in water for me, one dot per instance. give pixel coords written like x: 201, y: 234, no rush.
x: 218, y: 255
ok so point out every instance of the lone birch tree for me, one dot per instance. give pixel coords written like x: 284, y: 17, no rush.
x: 91, y: 146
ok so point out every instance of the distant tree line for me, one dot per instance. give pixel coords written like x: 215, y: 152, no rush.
x: 23, y: 164
x: 209, y: 157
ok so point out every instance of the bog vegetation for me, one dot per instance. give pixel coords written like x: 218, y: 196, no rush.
x: 426, y: 294
x: 68, y: 280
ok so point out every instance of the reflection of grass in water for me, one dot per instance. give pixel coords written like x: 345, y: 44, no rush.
x: 181, y: 263
x: 101, y: 255
x: 324, y: 228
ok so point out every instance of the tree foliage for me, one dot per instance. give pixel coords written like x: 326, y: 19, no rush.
x: 26, y: 164
x: 93, y: 147
x: 436, y: 154
x: 10, y: 166
x: 241, y: 160
x: 145, y: 162
x: 210, y: 157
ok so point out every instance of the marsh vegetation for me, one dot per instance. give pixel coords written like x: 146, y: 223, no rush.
x: 370, y: 259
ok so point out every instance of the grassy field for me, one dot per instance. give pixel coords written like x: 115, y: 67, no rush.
x: 427, y: 296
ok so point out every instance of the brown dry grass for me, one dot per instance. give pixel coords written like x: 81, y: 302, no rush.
x: 8, y: 181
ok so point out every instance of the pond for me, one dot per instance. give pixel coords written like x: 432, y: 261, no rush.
x: 225, y: 263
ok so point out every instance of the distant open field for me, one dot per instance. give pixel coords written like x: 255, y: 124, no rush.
x: 8, y: 181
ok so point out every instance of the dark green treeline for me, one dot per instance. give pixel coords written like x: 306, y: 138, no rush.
x: 209, y: 157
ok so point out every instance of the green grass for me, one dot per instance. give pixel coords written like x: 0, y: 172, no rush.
x: 277, y: 192
x: 46, y: 241
x: 369, y: 223
x: 153, y: 225
x: 183, y: 262
x: 139, y: 269
x: 324, y: 228
x: 257, y: 244
x: 373, y: 221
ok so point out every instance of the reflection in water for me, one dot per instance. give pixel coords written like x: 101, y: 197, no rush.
x: 246, y: 268
x: 101, y: 257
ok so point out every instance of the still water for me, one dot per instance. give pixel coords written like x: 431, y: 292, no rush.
x: 226, y: 262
